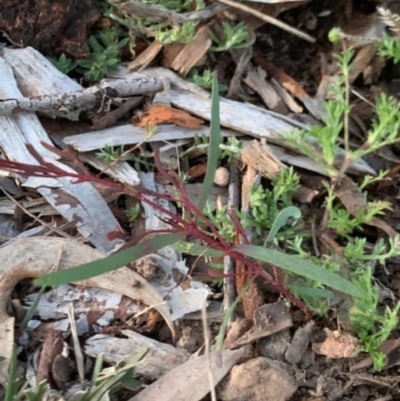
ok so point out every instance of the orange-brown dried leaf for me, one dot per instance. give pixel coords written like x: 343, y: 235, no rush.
x: 160, y: 114
x: 197, y: 170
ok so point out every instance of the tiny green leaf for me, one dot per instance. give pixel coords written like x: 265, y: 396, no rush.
x: 300, y: 266
x: 112, y: 262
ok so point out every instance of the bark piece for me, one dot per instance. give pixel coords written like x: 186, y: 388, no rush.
x: 190, y: 55
x: 78, y: 203
x: 53, y: 346
x: 255, y: 78
x: 146, y: 57
x: 129, y: 134
x: 160, y: 359
x: 69, y: 105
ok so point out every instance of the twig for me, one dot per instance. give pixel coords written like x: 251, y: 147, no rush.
x: 77, y: 346
x: 269, y: 19
x: 68, y: 105
x: 55, y: 229
x: 207, y: 352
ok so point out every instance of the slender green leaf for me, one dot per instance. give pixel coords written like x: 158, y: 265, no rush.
x: 311, y: 292
x: 98, y: 366
x: 228, y: 315
x: 12, y: 382
x: 32, y: 310
x: 280, y: 221
x: 112, y: 262
x: 214, y: 150
x: 300, y: 266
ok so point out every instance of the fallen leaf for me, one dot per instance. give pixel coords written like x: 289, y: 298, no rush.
x: 160, y: 114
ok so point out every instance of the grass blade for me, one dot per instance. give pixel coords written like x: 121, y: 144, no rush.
x: 112, y: 262
x: 214, y: 150
x: 301, y: 267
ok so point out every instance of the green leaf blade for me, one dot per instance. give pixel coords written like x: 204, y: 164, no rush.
x: 301, y: 267
x: 109, y: 263
x: 214, y: 150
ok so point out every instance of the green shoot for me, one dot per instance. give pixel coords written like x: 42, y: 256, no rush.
x: 110, y: 154
x: 106, y: 50
x: 390, y: 47
x: 231, y: 149
x: 181, y: 34
x: 372, y: 328
x: 64, y: 64
x: 133, y: 213
x: 205, y: 79
x: 234, y: 37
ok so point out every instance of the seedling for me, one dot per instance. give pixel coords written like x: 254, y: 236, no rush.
x: 133, y: 213
x: 110, y: 154
x: 106, y: 50
x: 181, y: 34
x: 234, y: 37
x: 204, y: 80
x: 64, y: 64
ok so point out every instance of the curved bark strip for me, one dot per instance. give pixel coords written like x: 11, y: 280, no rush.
x: 33, y: 257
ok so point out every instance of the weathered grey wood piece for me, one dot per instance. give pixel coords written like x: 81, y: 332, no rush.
x: 238, y: 116
x: 78, y: 203
x: 71, y: 101
x: 128, y: 134
x: 160, y: 359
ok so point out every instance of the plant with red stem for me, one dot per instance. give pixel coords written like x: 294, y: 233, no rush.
x: 190, y: 224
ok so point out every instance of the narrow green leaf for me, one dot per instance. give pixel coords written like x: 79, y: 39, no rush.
x: 12, y: 382
x: 312, y: 292
x: 300, y: 266
x: 32, y: 310
x: 280, y: 221
x: 214, y: 150
x: 112, y: 262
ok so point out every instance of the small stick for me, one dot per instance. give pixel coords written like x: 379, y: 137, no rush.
x: 269, y: 19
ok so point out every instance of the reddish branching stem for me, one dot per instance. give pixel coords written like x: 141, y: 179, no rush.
x: 188, y: 225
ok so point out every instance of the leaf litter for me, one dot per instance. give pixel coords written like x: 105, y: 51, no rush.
x: 121, y: 312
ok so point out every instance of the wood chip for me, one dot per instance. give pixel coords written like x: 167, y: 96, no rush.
x: 194, y: 51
